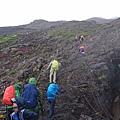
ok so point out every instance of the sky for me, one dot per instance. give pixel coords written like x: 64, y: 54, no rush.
x: 20, y: 12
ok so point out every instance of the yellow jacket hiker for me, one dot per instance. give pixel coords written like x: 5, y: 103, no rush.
x: 54, y: 64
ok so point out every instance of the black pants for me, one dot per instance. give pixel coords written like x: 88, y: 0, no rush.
x: 9, y: 112
x: 52, y: 104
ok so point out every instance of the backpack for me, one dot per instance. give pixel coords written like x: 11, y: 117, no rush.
x: 54, y: 65
x: 8, y: 95
x: 30, y: 95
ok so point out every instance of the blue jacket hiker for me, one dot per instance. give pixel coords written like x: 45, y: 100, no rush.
x: 51, y: 93
x: 20, y: 113
x: 32, y: 97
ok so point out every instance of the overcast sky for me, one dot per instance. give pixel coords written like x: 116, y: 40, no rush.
x: 19, y: 12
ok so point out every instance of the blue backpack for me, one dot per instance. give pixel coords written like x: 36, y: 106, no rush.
x: 30, y: 95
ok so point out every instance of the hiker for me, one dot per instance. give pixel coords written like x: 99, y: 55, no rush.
x: 81, y: 50
x: 17, y: 95
x: 19, y: 111
x: 51, y: 93
x: 32, y: 97
x: 81, y: 38
x: 76, y: 38
x: 53, y: 65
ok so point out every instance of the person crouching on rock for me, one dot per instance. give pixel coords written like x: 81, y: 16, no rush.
x: 81, y: 50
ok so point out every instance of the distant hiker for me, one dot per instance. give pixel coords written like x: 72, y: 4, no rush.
x: 76, y: 38
x: 53, y: 65
x: 81, y: 50
x: 27, y: 33
x: 51, y: 93
x: 32, y: 97
x: 81, y: 38
x: 10, y: 92
x: 19, y: 111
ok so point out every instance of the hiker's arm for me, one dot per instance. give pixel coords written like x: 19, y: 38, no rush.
x: 59, y: 64
x: 60, y: 91
x: 17, y: 94
x: 49, y: 65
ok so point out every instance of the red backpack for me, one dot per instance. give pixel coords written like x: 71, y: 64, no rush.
x: 8, y: 95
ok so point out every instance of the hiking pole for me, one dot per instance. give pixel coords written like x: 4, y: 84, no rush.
x: 41, y: 108
x: 42, y: 114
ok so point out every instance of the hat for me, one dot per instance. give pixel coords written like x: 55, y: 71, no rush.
x: 17, y: 87
x: 32, y: 81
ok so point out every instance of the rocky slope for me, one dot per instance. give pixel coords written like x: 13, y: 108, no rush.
x: 91, y: 80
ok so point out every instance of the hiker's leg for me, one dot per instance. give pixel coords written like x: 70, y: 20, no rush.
x: 35, y: 110
x: 54, y: 76
x: 80, y: 50
x: 52, y: 104
x: 51, y: 73
x: 50, y: 107
x: 37, y: 115
x: 9, y: 112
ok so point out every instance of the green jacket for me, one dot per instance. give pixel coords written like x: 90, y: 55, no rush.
x: 17, y: 93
